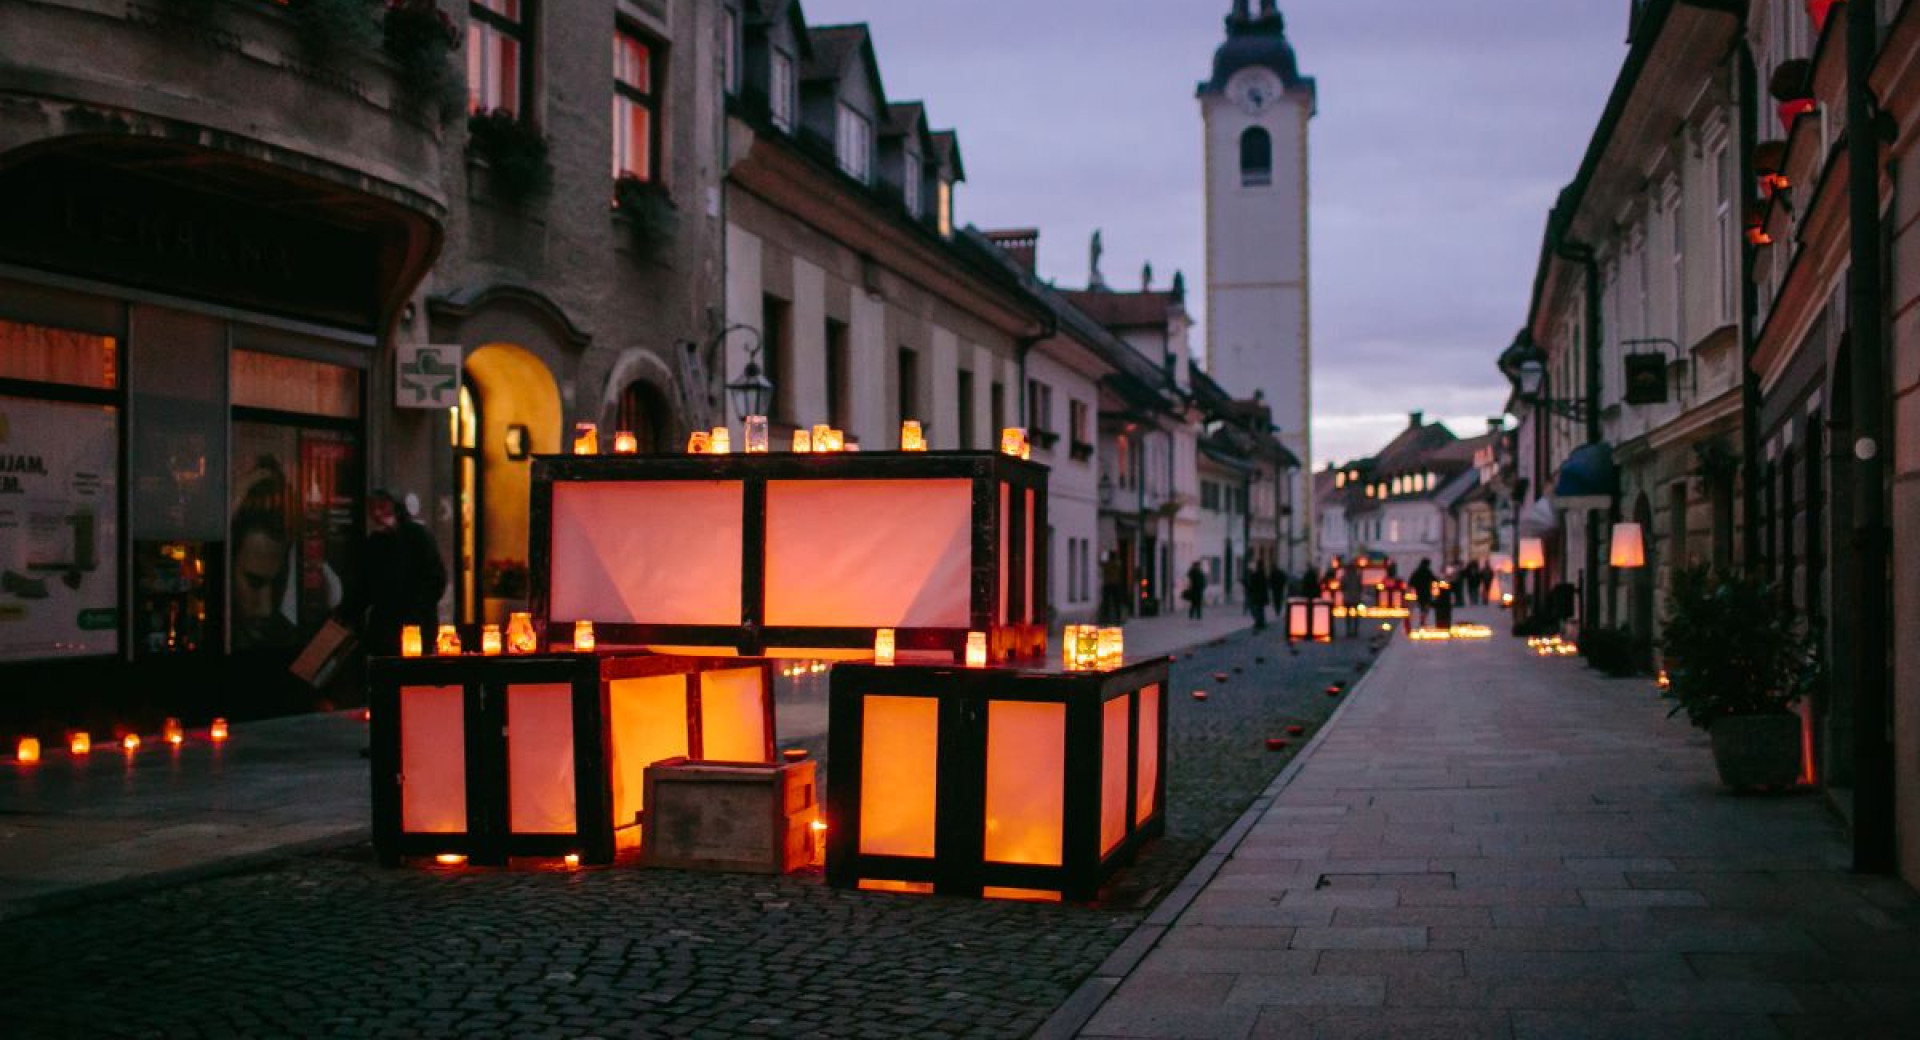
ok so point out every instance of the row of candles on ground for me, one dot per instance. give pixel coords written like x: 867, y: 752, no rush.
x: 80, y: 742
x: 755, y: 440
x: 1461, y: 631
x: 1552, y: 646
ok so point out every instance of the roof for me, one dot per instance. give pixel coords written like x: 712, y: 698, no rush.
x: 904, y: 117
x: 831, y: 47
x: 1152, y: 309
x: 1256, y: 41
x: 946, y: 147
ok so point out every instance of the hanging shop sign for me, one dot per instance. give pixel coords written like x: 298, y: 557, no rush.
x: 58, y: 538
x: 427, y: 375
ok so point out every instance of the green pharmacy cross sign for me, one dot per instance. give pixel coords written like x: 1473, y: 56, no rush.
x: 428, y: 375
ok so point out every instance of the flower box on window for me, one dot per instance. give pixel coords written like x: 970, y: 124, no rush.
x: 784, y: 555
x: 545, y: 755
x: 994, y: 782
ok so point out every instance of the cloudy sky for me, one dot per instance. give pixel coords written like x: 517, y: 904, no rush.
x: 1446, y: 127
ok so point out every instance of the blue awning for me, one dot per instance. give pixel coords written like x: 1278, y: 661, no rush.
x: 1588, y: 479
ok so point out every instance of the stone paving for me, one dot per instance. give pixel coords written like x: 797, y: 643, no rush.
x: 327, y: 944
x: 1490, y: 844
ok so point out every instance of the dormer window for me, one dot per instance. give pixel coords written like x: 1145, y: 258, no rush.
x: 780, y: 90
x: 1256, y: 158
x: 855, y: 146
x: 911, y: 187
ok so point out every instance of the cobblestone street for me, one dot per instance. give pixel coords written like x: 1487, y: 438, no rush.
x: 329, y: 945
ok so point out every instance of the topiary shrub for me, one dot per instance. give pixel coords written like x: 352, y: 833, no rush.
x: 1733, y: 648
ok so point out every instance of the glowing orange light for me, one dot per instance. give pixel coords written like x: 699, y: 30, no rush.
x: 79, y: 742
x: 1533, y: 554
x: 976, y: 649
x: 912, y: 438
x: 1013, y: 441
x: 802, y: 442
x: 1758, y: 236
x: 218, y: 731
x: 520, y: 637
x: 28, y: 750
x: 721, y: 443
x: 447, y: 644
x: 754, y: 435
x: 625, y: 443
x: 173, y: 733
x: 572, y: 860
x: 883, y: 646
x: 586, y: 439
x: 794, y: 754
x: 130, y: 742
x: 490, y: 640
x: 700, y: 442
x: 449, y: 859
x: 583, y: 641
x: 410, y: 641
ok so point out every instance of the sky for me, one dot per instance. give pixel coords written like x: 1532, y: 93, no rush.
x: 1445, y: 130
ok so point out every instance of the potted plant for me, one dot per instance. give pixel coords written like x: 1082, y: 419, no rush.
x: 418, y: 36
x: 1737, y: 662
x: 649, y: 213
x: 514, y: 151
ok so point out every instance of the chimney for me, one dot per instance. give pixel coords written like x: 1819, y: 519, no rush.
x: 1415, y: 420
x: 1022, y: 244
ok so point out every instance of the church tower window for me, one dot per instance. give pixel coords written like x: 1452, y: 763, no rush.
x: 1256, y: 158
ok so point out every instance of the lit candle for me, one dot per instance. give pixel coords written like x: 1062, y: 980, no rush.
x: 625, y: 443
x: 699, y: 442
x: 410, y: 641
x: 218, y: 731
x: 911, y: 436
x: 173, y: 733
x: 448, y: 642
x: 130, y: 742
x: 572, y: 860
x: 1111, y: 645
x: 449, y: 859
x: 1086, y: 651
x: 1012, y: 439
x: 28, y: 749
x: 520, y: 637
x: 721, y: 443
x: 802, y: 441
x: 583, y: 637
x: 1070, y: 647
x: 976, y: 649
x: 490, y: 640
x: 883, y: 646
x: 755, y: 437
x: 79, y: 742
x: 586, y: 439
x: 821, y: 440
x: 836, y: 440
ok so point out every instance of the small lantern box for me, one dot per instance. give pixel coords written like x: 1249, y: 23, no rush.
x: 545, y: 755
x: 794, y: 555
x: 733, y: 816
x: 993, y: 782
x: 1309, y: 621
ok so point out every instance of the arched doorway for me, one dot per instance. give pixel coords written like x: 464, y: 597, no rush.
x: 643, y: 411
x: 511, y: 407
x: 1644, y: 580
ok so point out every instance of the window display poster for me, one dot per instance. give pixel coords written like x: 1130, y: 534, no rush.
x: 59, y: 538
x: 291, y: 531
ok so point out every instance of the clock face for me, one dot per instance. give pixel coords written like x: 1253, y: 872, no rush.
x: 1254, y: 90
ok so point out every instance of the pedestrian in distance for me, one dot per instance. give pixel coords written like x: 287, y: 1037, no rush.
x: 1196, y: 593
x: 1277, y: 588
x: 1470, y: 582
x: 1423, y: 580
x: 1257, y: 596
x: 401, y: 579
x: 1310, y: 583
x: 1352, y: 590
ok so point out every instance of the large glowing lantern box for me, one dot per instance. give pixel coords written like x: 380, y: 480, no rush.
x: 785, y: 555
x: 545, y: 755
x: 995, y: 782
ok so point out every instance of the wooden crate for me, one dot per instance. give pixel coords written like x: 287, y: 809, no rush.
x: 732, y: 816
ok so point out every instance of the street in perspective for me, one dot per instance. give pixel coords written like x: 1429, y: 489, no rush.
x: 599, y: 519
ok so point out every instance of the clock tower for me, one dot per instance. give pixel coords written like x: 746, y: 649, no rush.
x: 1256, y: 108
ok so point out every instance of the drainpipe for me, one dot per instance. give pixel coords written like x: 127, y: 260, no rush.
x: 1873, y: 816
x: 1582, y: 254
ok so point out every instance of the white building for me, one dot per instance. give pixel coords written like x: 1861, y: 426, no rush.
x: 1256, y: 108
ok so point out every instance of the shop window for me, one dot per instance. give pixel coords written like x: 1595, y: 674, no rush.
x: 636, y: 99
x: 59, y: 507
x: 496, y: 55
x: 292, y: 533
x: 283, y: 384
x: 37, y: 354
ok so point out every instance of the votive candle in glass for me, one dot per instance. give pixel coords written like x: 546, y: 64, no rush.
x: 410, y: 641
x: 883, y: 646
x: 1110, y: 642
x: 1070, y: 647
x: 520, y: 637
x: 821, y: 439
x: 721, y: 443
x: 586, y: 439
x: 448, y: 642
x: 976, y: 649
x: 802, y: 442
x: 699, y: 442
x: 912, y: 438
x: 1011, y: 440
x: 755, y: 437
x: 583, y: 642
x: 625, y: 443
x: 490, y: 640
x: 1087, y: 651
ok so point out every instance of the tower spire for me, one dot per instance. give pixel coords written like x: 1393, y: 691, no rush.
x: 1240, y: 13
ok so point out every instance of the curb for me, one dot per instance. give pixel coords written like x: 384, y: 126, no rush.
x: 1086, y: 1000
x: 226, y: 866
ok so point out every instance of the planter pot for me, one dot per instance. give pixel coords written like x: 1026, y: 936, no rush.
x: 1757, y: 750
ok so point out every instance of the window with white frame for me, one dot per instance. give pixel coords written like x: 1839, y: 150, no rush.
x: 780, y: 90
x: 1725, y: 231
x: 910, y: 183
x: 496, y: 55
x: 855, y: 146
x: 1677, y: 264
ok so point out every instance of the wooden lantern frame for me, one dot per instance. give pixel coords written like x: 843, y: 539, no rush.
x: 963, y: 699
x: 1318, y: 614
x: 1003, y: 543
x: 484, y: 684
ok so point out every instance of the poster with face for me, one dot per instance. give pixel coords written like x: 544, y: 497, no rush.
x: 59, y: 538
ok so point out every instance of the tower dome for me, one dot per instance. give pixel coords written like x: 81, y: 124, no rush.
x: 1256, y: 41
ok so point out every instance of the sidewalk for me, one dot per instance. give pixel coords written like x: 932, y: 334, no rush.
x: 1488, y: 843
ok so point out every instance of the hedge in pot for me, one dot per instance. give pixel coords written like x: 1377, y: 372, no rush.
x: 1738, y: 662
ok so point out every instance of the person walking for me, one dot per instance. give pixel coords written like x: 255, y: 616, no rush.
x: 1196, y: 594
x: 401, y: 580
x: 1310, y: 583
x: 1423, y: 580
x: 1257, y: 596
x: 1352, y: 589
x: 1277, y: 589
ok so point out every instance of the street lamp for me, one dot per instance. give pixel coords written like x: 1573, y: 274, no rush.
x: 1528, y: 371
x: 752, y: 393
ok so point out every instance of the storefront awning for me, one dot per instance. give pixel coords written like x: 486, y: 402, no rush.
x: 1588, y: 479
x: 1539, y: 518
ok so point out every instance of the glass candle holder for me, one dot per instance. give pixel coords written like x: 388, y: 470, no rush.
x: 173, y: 733
x: 130, y: 742
x: 1070, y: 647
x: 447, y: 643
x: 1087, y: 646
x: 410, y: 641
x: 490, y: 640
x: 699, y: 442
x: 821, y: 442
x: 883, y: 646
x: 976, y: 649
x: 802, y: 442
x: 1110, y: 642
x: 217, y: 732
x: 80, y: 742
x: 28, y: 750
x: 1011, y: 440
x: 721, y: 443
x: 625, y: 443
x: 754, y: 439
x: 520, y: 637
x: 836, y: 440
x: 912, y: 438
x: 583, y: 642
x: 586, y: 439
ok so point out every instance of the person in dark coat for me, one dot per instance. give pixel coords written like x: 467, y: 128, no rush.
x: 1257, y: 596
x: 1423, y: 580
x: 1353, y: 593
x: 1277, y: 588
x: 401, y: 580
x: 1310, y: 584
x: 1196, y: 594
